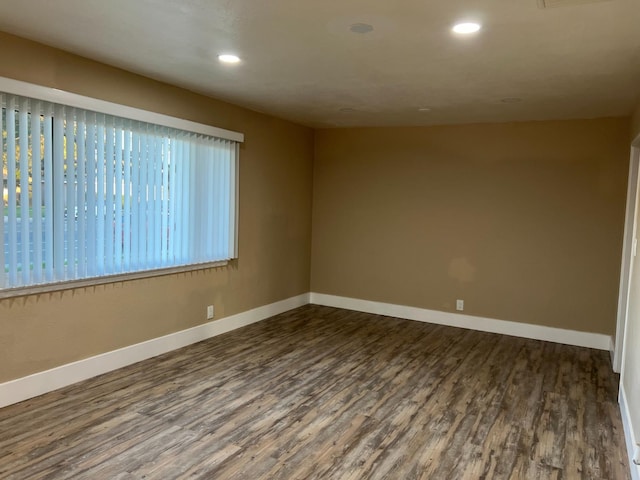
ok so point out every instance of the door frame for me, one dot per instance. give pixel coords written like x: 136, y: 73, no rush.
x: 629, y: 237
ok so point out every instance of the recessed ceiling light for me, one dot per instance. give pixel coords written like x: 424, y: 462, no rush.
x: 361, y: 28
x: 424, y: 109
x: 228, y: 58
x: 511, y: 100
x: 466, y: 28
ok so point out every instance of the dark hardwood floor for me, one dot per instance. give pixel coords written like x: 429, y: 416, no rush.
x: 326, y: 393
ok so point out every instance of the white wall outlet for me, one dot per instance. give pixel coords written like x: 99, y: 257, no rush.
x: 459, y: 304
x: 209, y: 312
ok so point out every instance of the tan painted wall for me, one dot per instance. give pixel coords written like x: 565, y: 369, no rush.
x: 523, y: 221
x: 44, y: 331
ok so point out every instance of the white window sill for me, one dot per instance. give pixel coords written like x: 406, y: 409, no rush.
x: 105, y: 279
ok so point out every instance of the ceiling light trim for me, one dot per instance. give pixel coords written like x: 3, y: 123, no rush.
x: 466, y: 28
x: 229, y: 58
x: 361, y: 28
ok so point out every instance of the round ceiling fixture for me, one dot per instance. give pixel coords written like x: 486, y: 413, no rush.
x: 466, y: 28
x: 424, y: 109
x: 361, y: 28
x: 228, y: 58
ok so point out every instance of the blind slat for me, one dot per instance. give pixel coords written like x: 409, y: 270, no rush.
x: 164, y: 227
x: 58, y: 194
x: 143, y: 202
x: 109, y: 195
x: 209, y: 211
x: 119, y: 199
x: 136, y: 199
x: 12, y: 204
x: 36, y: 188
x: 81, y: 189
x: 100, y: 196
x: 233, y: 205
x: 3, y: 176
x: 91, y: 195
x: 70, y: 187
x: 25, y: 204
x: 126, y: 227
x: 48, y: 193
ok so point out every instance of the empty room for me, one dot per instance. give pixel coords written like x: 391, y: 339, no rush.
x: 320, y: 240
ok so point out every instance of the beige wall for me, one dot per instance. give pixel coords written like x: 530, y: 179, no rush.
x: 44, y: 331
x: 523, y: 221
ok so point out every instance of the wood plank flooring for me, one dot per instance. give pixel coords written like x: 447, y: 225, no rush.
x: 323, y: 393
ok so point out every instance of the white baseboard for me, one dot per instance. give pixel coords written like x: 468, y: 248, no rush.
x: 15, y: 391
x: 516, y: 329
x: 630, y: 436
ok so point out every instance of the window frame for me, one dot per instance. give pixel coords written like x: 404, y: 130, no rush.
x: 53, y: 95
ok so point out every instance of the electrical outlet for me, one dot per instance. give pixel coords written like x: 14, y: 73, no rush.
x: 459, y: 304
x: 209, y: 312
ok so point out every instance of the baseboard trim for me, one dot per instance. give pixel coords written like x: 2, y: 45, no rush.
x: 629, y: 435
x: 20, y: 389
x: 538, y: 332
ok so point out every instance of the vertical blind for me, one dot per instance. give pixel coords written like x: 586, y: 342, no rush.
x: 88, y: 195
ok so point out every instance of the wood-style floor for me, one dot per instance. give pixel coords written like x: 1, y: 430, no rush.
x: 326, y: 393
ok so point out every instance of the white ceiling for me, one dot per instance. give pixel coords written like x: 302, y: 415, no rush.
x: 301, y: 62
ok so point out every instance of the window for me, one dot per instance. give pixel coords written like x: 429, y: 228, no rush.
x: 88, y: 195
